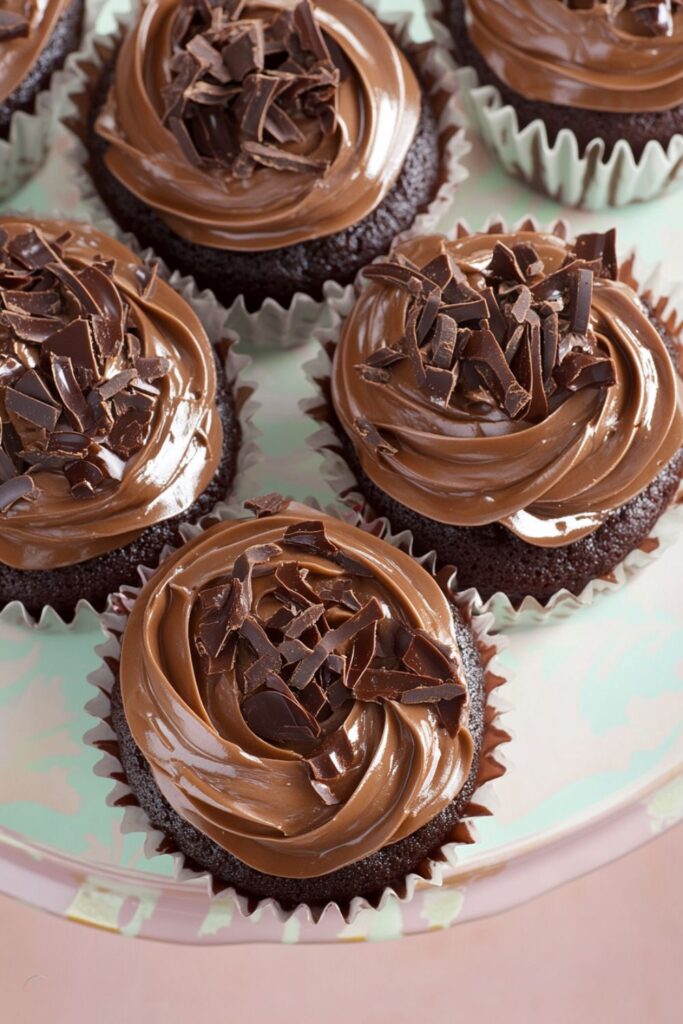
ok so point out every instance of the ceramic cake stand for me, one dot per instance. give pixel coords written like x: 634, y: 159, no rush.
x: 595, y: 767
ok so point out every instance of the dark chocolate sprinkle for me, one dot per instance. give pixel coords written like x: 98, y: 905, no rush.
x: 315, y: 649
x: 502, y: 342
x: 66, y: 376
x: 242, y: 88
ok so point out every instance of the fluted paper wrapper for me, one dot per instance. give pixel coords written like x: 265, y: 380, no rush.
x: 563, y: 170
x: 236, y: 366
x: 666, y: 303
x: 430, y: 873
x: 273, y: 326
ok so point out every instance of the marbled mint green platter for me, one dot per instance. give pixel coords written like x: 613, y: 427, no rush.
x: 595, y: 703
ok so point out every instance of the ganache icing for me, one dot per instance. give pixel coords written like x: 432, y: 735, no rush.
x: 616, y: 56
x: 25, y: 29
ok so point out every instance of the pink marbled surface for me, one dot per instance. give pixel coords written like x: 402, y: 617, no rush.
x: 605, y: 948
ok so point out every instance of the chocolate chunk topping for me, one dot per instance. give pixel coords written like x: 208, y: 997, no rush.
x: 245, y: 88
x: 13, y: 26
x: 303, y: 645
x: 267, y: 505
x: 503, y: 342
x: 14, y: 489
x: 71, y: 373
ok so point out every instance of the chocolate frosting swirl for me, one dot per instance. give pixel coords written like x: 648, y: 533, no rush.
x: 551, y: 478
x: 164, y: 469
x: 383, y: 767
x: 273, y: 207
x: 20, y: 47
x: 600, y: 57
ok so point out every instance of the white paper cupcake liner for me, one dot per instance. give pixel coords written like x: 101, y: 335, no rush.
x: 236, y: 367
x: 23, y: 151
x: 134, y: 819
x: 273, y: 326
x: 667, y: 304
x: 566, y: 172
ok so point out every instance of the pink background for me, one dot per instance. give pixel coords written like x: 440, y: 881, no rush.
x: 604, y: 948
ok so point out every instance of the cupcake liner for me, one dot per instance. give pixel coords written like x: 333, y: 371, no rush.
x: 666, y: 302
x: 563, y: 170
x: 273, y: 326
x: 25, y: 148
x: 236, y: 367
x: 430, y: 873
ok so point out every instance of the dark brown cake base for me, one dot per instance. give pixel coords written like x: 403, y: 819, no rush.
x: 367, y: 877
x: 95, y: 579
x: 65, y: 38
x: 636, y: 128
x: 492, y: 559
x: 277, y: 273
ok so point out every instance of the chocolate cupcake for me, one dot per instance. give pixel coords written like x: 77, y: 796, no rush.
x: 603, y: 78
x: 300, y: 709
x: 515, y: 405
x: 35, y: 40
x: 248, y: 143
x: 117, y: 423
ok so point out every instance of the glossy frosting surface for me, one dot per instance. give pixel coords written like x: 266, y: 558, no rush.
x: 469, y: 464
x: 378, y: 108
x: 253, y: 798
x: 583, y: 58
x: 181, y: 453
x: 18, y: 55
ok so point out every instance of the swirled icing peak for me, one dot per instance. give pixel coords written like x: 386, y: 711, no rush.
x: 108, y: 417
x: 257, y: 125
x: 507, y: 378
x: 297, y: 689
x: 608, y: 55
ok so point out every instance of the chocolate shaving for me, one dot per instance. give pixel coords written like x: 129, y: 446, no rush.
x: 501, y: 343
x: 267, y: 505
x: 302, y: 646
x: 13, y: 26
x: 243, y: 89
x: 71, y: 369
x: 15, y: 489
